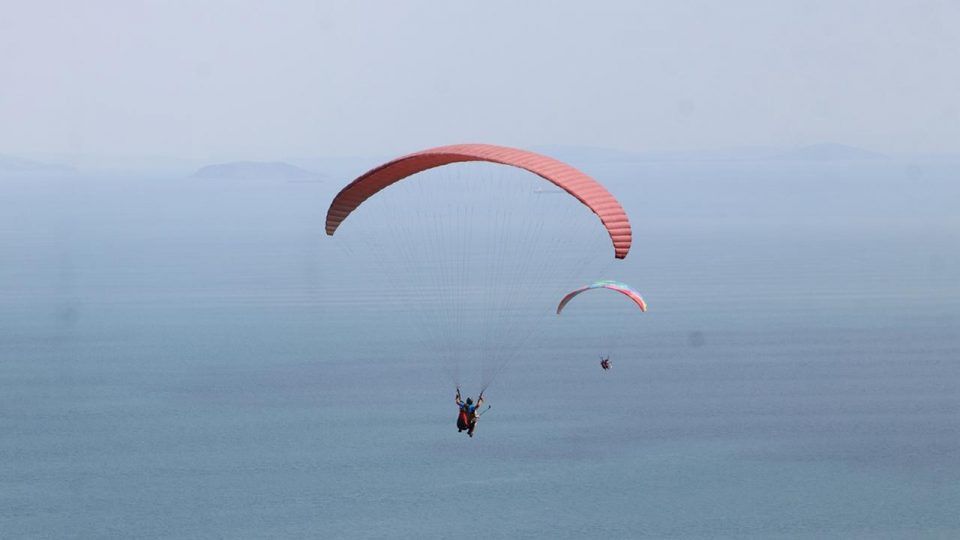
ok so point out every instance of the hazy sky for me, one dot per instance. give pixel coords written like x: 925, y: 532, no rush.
x: 272, y: 79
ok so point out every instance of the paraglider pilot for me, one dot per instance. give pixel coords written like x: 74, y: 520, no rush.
x: 605, y: 362
x: 467, y: 419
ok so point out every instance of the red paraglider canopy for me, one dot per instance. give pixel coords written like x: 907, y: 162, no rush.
x: 585, y: 189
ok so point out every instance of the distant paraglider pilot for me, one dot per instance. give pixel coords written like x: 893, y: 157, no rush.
x: 467, y: 418
x: 605, y: 362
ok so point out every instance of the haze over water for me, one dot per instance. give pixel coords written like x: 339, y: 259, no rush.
x: 193, y: 358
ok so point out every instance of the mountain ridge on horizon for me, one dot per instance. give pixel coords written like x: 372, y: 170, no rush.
x: 240, y: 170
x: 305, y: 168
x: 812, y: 152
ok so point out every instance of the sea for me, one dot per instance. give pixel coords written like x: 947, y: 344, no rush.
x: 194, y: 358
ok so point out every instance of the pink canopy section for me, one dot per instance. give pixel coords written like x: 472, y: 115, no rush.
x: 584, y: 188
x: 621, y: 288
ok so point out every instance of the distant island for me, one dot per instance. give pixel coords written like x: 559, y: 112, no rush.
x: 10, y: 164
x: 245, y: 170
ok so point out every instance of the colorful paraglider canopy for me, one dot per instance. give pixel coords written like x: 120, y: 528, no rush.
x: 584, y: 188
x: 621, y: 288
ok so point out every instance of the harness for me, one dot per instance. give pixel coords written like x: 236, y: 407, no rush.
x: 463, y: 419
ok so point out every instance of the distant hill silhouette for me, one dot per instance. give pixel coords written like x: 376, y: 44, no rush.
x: 814, y: 152
x: 241, y: 170
x: 587, y: 153
x: 829, y: 152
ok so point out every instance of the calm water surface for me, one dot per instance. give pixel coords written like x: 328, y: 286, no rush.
x: 191, y: 360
